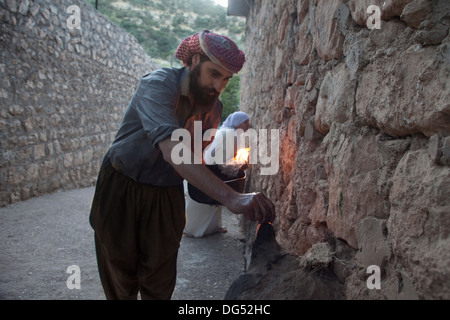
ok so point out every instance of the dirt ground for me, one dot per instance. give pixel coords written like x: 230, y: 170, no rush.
x: 40, y: 238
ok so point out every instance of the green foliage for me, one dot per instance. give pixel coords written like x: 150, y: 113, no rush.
x: 160, y: 25
x: 230, y: 97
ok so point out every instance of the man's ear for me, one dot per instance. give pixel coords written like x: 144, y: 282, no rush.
x: 195, y: 61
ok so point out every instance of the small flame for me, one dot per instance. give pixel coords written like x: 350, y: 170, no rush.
x: 257, y: 229
x: 242, y: 156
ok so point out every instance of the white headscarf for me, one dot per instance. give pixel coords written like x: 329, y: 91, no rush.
x: 225, y: 139
x: 235, y: 119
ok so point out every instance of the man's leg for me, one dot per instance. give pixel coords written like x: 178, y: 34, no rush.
x: 113, y: 220
x: 161, y: 225
x: 116, y: 284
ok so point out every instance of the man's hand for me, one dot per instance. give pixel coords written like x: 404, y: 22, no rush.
x: 254, y: 206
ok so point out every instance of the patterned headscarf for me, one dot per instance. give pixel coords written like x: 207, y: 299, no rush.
x: 220, y: 49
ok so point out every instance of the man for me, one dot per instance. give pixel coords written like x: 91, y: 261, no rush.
x: 138, y: 210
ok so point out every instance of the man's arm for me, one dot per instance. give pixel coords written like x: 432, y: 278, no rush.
x: 254, y: 206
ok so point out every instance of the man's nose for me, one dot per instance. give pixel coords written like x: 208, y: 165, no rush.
x: 219, y: 85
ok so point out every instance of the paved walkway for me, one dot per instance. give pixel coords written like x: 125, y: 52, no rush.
x: 40, y: 238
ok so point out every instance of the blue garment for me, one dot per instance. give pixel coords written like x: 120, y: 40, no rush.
x: 159, y: 106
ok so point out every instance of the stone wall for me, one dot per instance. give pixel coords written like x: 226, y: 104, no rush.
x: 62, y: 95
x: 364, y: 120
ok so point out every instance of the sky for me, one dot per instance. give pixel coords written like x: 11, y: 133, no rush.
x: 223, y: 3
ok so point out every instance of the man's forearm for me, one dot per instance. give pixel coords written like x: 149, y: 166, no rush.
x: 199, y: 176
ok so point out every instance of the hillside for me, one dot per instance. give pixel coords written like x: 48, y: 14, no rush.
x: 159, y: 26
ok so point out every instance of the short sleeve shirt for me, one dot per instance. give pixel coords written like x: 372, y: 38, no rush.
x: 159, y: 106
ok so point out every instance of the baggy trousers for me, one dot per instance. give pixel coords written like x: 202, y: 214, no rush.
x: 138, y: 229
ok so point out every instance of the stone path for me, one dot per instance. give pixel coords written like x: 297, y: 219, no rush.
x: 40, y: 238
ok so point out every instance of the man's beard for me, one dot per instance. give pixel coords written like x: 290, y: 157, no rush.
x: 203, y: 96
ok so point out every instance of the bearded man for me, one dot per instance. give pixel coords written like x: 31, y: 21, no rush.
x: 138, y: 210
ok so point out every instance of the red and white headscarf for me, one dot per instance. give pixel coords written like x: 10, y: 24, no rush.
x: 220, y: 49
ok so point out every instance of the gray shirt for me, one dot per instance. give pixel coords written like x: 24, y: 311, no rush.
x: 159, y: 106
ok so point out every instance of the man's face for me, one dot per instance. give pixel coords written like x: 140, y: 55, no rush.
x: 207, y: 80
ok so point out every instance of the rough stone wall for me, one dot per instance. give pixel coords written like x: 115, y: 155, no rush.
x: 364, y: 120
x: 62, y: 95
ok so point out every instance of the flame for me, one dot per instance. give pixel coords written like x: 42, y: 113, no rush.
x: 257, y: 230
x: 242, y: 156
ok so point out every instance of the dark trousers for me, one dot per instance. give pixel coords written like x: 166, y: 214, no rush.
x: 138, y: 229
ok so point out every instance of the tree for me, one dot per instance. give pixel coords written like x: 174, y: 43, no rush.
x: 231, y: 97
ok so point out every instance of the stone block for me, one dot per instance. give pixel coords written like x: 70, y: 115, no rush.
x: 352, y: 166
x: 373, y: 246
x: 39, y: 151
x: 23, y: 7
x: 305, y: 42
x: 388, y: 8
x: 328, y: 39
x: 415, y: 12
x: 68, y: 160
x: 11, y: 5
x: 336, y: 99
x: 391, y: 91
x: 418, y: 226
